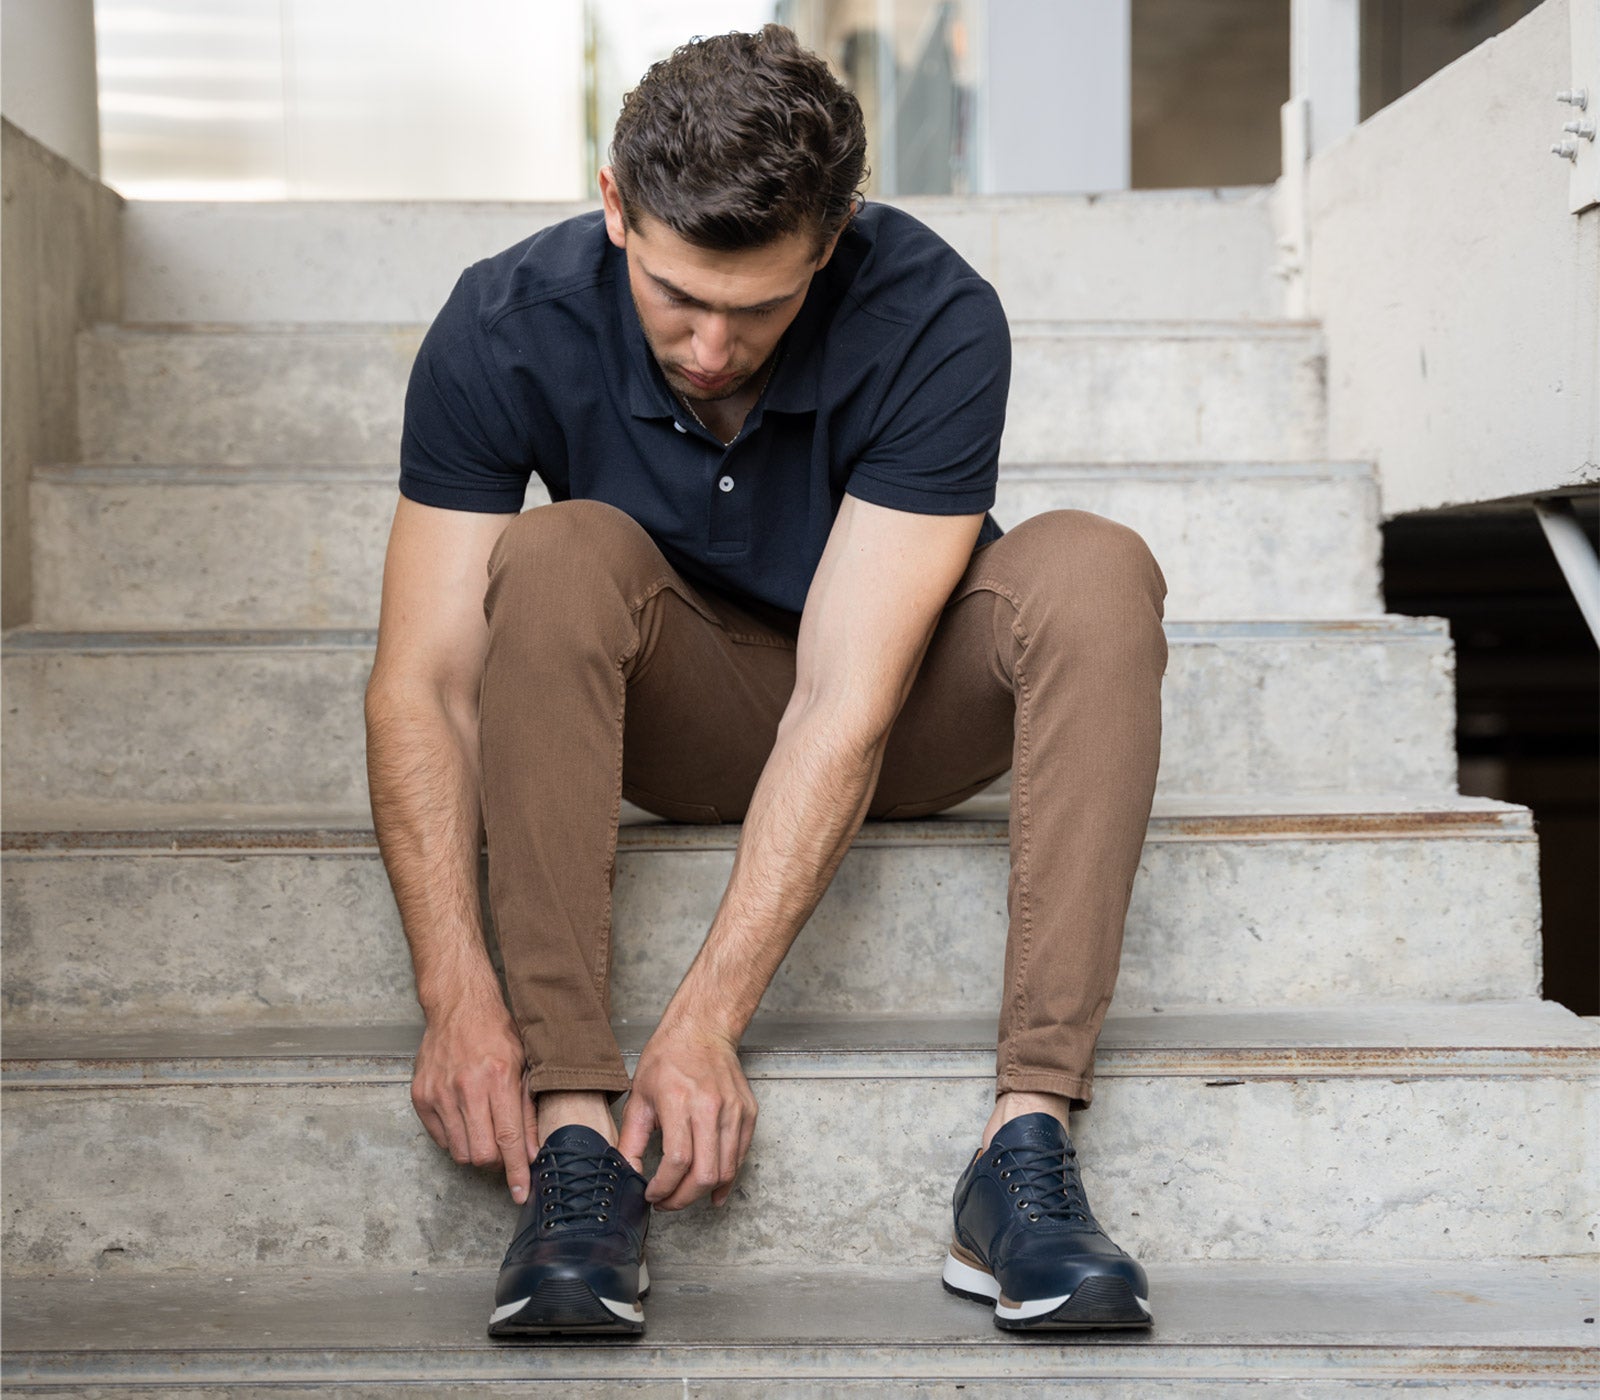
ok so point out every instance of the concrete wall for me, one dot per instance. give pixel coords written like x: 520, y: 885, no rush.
x: 1460, y: 299
x: 47, y: 76
x: 59, y: 270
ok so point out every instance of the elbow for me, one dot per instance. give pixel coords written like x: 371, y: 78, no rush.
x: 856, y: 734
x: 389, y: 699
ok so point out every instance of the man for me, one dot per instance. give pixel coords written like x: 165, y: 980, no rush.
x: 766, y: 591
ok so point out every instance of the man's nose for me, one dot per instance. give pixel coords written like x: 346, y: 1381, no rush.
x: 713, y: 343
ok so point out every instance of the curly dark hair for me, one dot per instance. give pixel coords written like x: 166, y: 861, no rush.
x: 740, y: 139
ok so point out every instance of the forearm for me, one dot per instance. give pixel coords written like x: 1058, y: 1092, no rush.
x: 423, y: 774
x: 807, y: 808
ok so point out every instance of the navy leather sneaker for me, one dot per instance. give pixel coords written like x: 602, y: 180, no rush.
x: 576, y: 1262
x: 1026, y: 1241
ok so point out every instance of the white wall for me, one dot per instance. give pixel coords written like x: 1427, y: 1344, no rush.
x: 1460, y: 299
x: 47, y: 79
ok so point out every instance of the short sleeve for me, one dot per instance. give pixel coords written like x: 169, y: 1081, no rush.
x: 463, y: 446
x: 935, y: 441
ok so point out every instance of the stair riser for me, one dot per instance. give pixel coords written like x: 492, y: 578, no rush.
x: 150, y: 553
x: 848, y: 1168
x: 335, y: 397
x: 165, y: 941
x: 1156, y: 255
x: 1277, y: 711
x: 1188, y: 398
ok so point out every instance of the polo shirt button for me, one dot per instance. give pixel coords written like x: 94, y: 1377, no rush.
x: 726, y: 483
x: 679, y: 426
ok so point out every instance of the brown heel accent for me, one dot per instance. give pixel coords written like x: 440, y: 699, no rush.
x: 967, y: 1257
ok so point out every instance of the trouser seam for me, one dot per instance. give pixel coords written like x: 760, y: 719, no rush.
x: 1022, y: 798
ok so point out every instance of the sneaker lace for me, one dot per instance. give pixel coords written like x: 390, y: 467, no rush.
x: 1045, y: 1182
x: 574, y: 1185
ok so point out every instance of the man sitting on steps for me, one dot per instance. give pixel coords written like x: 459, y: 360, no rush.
x: 767, y: 591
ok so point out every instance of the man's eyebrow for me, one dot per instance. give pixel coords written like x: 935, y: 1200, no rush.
x: 682, y: 295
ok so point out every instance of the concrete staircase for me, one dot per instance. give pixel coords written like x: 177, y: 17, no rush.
x: 1354, y: 1149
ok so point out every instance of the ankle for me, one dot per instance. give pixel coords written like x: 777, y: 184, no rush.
x: 585, y: 1107
x: 1018, y: 1103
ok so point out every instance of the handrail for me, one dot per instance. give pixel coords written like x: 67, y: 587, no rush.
x: 1574, y: 554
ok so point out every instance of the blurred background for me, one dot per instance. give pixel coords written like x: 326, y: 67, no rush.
x: 514, y: 99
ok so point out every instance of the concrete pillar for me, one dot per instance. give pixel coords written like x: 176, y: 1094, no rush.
x: 1325, y: 67
x: 47, y: 76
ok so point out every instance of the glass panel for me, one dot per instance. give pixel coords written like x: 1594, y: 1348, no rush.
x: 912, y: 65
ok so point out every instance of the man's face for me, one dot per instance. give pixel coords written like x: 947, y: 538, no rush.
x: 711, y: 319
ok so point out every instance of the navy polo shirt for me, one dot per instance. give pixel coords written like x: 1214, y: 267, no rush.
x: 890, y: 386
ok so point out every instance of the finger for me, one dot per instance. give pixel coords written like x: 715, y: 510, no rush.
x: 455, y: 1131
x: 510, y: 1136
x: 701, y: 1178
x: 475, y: 1100
x: 730, y: 1128
x: 638, y: 1123
x: 677, y: 1157
x: 430, y: 1121
x: 747, y: 1131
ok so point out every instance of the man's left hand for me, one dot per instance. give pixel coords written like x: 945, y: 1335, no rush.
x: 689, y: 1085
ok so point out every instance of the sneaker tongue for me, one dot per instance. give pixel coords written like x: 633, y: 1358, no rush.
x: 1031, y: 1130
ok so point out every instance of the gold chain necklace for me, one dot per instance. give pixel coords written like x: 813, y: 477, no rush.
x: 772, y: 364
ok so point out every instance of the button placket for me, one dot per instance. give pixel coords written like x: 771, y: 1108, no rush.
x: 730, y: 524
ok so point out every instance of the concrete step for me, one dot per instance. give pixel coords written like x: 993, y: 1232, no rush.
x: 1467, y: 1331
x: 1144, y: 254
x: 1357, y: 705
x: 163, y: 547
x: 1353, y: 1133
x: 202, y: 919
x: 1088, y: 391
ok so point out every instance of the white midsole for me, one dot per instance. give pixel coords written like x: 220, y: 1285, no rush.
x: 628, y: 1312
x: 970, y: 1280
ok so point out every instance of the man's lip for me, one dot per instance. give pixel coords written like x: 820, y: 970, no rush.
x: 700, y: 381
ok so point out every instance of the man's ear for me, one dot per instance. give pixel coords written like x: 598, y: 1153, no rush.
x: 611, y: 197
x: 832, y: 243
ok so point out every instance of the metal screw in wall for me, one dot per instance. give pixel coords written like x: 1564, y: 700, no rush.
x: 1574, y: 97
x: 1567, y: 150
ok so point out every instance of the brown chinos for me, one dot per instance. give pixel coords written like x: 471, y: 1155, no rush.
x: 610, y: 676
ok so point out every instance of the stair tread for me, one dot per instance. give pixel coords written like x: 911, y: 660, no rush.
x: 1399, y: 1037
x: 111, y: 826
x: 1512, y: 1318
x: 1363, y: 628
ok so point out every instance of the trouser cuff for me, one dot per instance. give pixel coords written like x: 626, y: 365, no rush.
x: 1079, y: 1091
x: 555, y: 1079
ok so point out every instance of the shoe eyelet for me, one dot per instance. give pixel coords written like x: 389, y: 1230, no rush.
x: 1033, y: 1217
x: 1022, y: 1205
x: 601, y: 1219
x: 1014, y: 1188
x: 1005, y: 1176
x: 550, y: 1207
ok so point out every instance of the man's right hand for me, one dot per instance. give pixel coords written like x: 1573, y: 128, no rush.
x: 468, y: 1090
